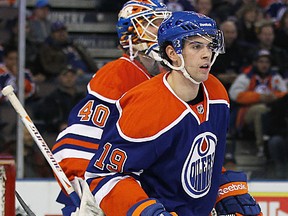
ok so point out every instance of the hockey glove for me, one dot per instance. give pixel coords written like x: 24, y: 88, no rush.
x: 233, y: 196
x: 149, y: 207
x: 88, y: 206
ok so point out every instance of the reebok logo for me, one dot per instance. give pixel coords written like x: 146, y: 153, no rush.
x: 231, y: 188
x: 205, y: 24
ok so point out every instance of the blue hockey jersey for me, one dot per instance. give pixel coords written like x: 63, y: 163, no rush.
x: 156, y: 145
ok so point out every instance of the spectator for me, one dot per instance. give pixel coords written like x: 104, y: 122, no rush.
x: 266, y: 39
x: 31, y: 47
x: 278, y: 151
x: 39, y: 22
x: 247, y: 18
x: 223, y: 9
x: 35, y: 164
x: 59, y: 50
x: 1, y: 53
x: 53, y: 110
x: 276, y: 128
x: 7, y: 3
x: 253, y: 90
x: 276, y: 10
x: 205, y: 7
x: 179, y: 5
x: 236, y: 56
x: 281, y: 33
x: 265, y: 3
x: 9, y: 73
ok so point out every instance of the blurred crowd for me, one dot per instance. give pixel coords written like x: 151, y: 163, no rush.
x: 254, y: 70
x: 56, y: 71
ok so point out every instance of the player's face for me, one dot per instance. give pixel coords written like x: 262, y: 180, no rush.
x: 197, y: 55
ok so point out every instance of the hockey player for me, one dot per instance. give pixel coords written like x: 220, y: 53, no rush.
x: 162, y: 149
x: 137, y: 27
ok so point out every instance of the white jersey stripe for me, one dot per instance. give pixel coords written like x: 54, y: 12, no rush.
x: 82, y: 130
x: 105, y: 189
x: 72, y: 153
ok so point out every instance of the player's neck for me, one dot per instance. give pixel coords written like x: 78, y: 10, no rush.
x: 183, y: 88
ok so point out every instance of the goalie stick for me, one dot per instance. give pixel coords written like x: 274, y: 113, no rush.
x: 8, y: 91
x: 24, y: 205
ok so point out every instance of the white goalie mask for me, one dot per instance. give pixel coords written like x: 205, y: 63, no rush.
x: 137, y: 26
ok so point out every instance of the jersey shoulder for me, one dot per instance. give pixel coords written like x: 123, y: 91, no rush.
x: 148, y: 109
x: 117, y: 77
x: 215, y: 89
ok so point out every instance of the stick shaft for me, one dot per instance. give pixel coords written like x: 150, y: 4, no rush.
x: 8, y: 91
x: 24, y: 205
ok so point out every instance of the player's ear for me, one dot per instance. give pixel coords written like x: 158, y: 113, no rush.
x: 171, y: 53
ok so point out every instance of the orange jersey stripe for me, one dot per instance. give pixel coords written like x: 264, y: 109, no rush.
x: 141, y: 207
x: 76, y: 143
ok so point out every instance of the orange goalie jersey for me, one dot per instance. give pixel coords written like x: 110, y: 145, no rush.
x: 76, y: 145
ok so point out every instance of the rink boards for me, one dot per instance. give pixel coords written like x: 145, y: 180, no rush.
x: 40, y: 195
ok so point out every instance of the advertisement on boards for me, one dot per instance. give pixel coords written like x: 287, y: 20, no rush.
x: 272, y: 197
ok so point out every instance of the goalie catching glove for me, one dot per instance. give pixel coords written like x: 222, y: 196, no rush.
x: 149, y: 207
x: 233, y: 196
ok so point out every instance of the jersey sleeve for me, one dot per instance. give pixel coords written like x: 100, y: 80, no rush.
x: 76, y: 145
x: 116, y: 169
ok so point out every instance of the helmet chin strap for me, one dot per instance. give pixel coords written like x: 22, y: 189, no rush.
x: 182, y: 69
x: 131, y: 52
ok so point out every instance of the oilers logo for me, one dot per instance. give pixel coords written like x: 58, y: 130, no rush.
x: 197, y: 170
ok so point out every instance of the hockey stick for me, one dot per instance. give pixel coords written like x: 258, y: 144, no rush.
x: 8, y: 91
x: 24, y: 205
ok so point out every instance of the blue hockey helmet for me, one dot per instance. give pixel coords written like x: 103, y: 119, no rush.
x: 133, y: 21
x: 183, y: 24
